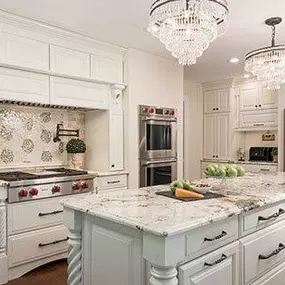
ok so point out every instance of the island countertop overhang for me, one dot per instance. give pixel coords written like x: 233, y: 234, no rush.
x: 144, y: 210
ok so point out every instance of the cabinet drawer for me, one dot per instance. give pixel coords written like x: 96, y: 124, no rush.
x: 71, y: 62
x: 24, y: 86
x: 262, y: 250
x: 20, y: 51
x: 35, y: 245
x: 112, y: 182
x: 274, y: 277
x: 262, y: 218
x: 260, y: 168
x: 34, y: 215
x: 219, y: 267
x: 206, y: 239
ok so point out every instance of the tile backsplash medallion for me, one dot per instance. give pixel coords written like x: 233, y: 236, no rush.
x: 26, y: 135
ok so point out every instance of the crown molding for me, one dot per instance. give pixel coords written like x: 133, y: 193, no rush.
x: 220, y: 84
x: 25, y: 27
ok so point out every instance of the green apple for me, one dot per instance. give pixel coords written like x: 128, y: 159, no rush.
x: 221, y: 172
x: 176, y: 184
x: 232, y: 172
x: 186, y: 184
x: 240, y: 170
x: 210, y: 170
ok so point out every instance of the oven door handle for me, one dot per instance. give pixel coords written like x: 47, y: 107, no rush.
x: 158, y: 162
x: 160, y: 120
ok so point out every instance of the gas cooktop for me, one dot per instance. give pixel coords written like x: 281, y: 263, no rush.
x: 48, y: 173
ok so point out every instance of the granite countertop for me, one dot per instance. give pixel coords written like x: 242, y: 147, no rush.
x: 146, y: 211
x: 109, y: 173
x: 241, y: 162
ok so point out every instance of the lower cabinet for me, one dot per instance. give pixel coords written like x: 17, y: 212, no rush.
x: 218, y: 268
x: 274, y: 277
x: 3, y: 269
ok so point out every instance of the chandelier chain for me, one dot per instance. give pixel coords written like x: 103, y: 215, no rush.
x: 273, y: 35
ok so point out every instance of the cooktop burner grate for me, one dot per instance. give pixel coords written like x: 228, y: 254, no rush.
x: 16, y: 176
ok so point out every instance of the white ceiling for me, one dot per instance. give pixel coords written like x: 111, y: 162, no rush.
x: 124, y: 22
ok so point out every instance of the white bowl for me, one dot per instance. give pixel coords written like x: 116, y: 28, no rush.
x: 201, y: 190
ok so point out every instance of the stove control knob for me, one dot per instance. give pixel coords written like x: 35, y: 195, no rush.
x: 151, y: 110
x: 172, y: 113
x: 84, y: 185
x: 23, y: 193
x: 145, y: 109
x: 166, y: 112
x: 34, y: 192
x: 76, y: 186
x: 56, y: 189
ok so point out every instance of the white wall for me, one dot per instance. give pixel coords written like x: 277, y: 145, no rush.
x: 151, y: 80
x: 193, y: 129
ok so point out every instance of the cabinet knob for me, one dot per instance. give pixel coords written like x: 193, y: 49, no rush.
x: 256, y: 106
x: 259, y: 105
x: 113, y: 165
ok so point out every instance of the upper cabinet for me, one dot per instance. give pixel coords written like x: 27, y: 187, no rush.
x: 69, y: 62
x: 24, y: 86
x: 256, y: 97
x: 24, y: 52
x: 68, y: 92
x: 216, y: 101
x: 106, y: 69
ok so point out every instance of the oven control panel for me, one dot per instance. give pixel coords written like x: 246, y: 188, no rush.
x: 156, y: 111
x: 30, y: 192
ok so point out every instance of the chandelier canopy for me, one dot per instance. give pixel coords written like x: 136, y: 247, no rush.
x: 268, y: 63
x: 187, y: 27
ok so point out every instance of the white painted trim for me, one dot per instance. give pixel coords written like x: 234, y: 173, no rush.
x: 213, y: 85
x: 50, y: 73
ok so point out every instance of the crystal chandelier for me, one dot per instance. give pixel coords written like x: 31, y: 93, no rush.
x: 187, y: 27
x: 268, y: 63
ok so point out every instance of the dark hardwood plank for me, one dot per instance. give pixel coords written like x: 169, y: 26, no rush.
x: 54, y: 273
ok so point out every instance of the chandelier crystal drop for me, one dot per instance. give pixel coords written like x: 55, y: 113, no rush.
x: 268, y: 63
x: 187, y: 27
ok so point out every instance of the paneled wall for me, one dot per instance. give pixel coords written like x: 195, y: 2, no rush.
x: 26, y: 135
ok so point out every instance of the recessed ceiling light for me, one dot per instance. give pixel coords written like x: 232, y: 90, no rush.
x: 234, y: 60
x: 246, y: 76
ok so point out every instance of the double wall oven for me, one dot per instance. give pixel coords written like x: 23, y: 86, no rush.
x: 157, y: 145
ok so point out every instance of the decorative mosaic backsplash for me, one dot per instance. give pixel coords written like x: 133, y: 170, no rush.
x: 26, y: 135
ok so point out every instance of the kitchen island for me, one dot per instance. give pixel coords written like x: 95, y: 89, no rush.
x: 136, y: 237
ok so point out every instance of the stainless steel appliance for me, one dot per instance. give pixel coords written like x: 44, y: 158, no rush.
x: 158, y: 133
x: 261, y: 154
x: 157, y: 172
x: 157, y: 145
x: 24, y: 186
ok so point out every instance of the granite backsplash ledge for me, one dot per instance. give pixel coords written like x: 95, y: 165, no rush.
x: 26, y: 135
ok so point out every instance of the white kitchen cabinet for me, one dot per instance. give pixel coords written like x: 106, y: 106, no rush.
x: 256, y: 168
x: 75, y: 93
x: 106, y: 69
x: 217, y: 101
x: 274, y: 277
x: 258, y: 119
x: 116, y: 144
x: 110, y: 181
x: 218, y: 267
x: 258, y: 251
x: 216, y: 136
x: 70, y: 62
x: 24, y: 86
x: 3, y: 269
x: 24, y: 52
x: 256, y: 97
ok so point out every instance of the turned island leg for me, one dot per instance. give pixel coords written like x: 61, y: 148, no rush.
x: 73, y: 221
x: 163, y: 275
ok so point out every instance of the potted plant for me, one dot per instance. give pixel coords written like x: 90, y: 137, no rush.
x: 76, y: 149
x: 275, y: 154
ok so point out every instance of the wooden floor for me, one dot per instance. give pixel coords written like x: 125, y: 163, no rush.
x: 51, y: 274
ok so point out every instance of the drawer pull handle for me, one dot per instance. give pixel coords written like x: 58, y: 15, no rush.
x: 52, y: 243
x: 274, y: 216
x: 275, y: 252
x: 265, y: 169
x: 114, y: 182
x: 223, y: 257
x: 50, y: 213
x: 223, y: 234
